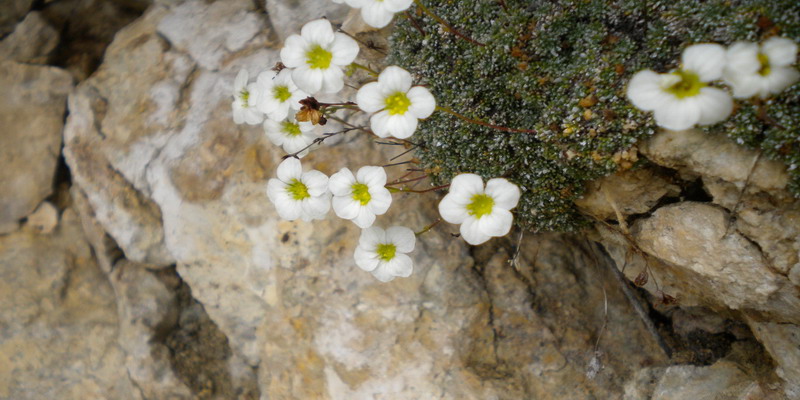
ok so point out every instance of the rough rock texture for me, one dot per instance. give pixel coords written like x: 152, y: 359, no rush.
x: 11, y: 11
x: 32, y: 41
x: 31, y: 119
x: 626, y: 193
x: 58, y: 319
x: 288, y: 16
x: 730, y: 244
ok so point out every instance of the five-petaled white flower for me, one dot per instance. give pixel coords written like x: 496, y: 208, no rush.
x: 765, y: 70
x: 384, y: 252
x: 682, y: 98
x: 278, y: 94
x: 482, y: 213
x: 245, y: 96
x: 360, y: 198
x: 297, y: 194
x: 400, y: 105
x: 317, y: 55
x: 291, y: 134
x: 378, y: 13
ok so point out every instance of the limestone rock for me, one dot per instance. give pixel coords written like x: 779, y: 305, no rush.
x: 31, y: 119
x: 782, y: 341
x: 58, y: 319
x: 32, y: 41
x: 44, y: 219
x: 721, y: 380
x: 11, y: 11
x: 628, y: 192
x: 288, y: 16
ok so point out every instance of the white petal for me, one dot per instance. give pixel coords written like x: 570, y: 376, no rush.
x: 496, y: 224
x: 369, y: 98
x: 372, y: 176
x: 706, y: 60
x: 240, y: 82
x: 376, y: 15
x: 308, y: 79
x: 422, y: 102
x: 745, y: 86
x: 366, y: 260
x: 504, y: 193
x: 344, y: 49
x: 365, y: 218
x: 318, y: 31
x: 470, y: 231
x: 316, y: 182
x: 380, y: 202
x: 780, y: 51
x: 332, y: 80
x: 341, y: 183
x: 289, y: 169
x: 382, y: 274
x: 238, y: 112
x: 293, y: 53
x: 402, y: 126
x: 780, y: 78
x: 288, y: 209
x: 402, y: 237
x: 452, y: 210
x: 464, y: 186
x: 397, y: 5
x: 742, y: 58
x: 253, y: 116
x: 273, y: 131
x: 275, y: 110
x: 294, y: 144
x: 644, y: 90
x: 400, y: 265
x: 715, y: 105
x: 371, y: 237
x: 274, y: 189
x: 394, y: 79
x: 379, y: 123
x: 316, y: 207
x: 345, y: 207
x: 678, y: 115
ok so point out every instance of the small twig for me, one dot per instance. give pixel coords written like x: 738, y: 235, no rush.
x: 407, y: 180
x: 318, y: 141
x: 400, y: 163
x: 395, y: 190
x: 365, y: 68
x: 736, y: 205
x: 403, y: 153
x: 415, y: 23
x: 447, y: 26
x: 513, y: 260
x: 390, y: 143
x: 429, y: 227
x: 367, y: 45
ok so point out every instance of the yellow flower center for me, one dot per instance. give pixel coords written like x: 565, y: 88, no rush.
x: 480, y: 205
x: 386, y: 251
x: 361, y: 193
x: 397, y: 103
x: 318, y: 58
x: 281, y: 93
x: 291, y: 129
x: 245, y: 96
x: 689, y: 84
x: 764, y: 61
x: 298, y: 190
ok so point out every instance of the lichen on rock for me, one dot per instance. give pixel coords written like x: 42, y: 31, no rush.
x: 560, y: 68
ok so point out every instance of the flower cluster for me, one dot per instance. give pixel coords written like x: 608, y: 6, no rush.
x: 378, y: 13
x: 683, y: 98
x: 283, y: 100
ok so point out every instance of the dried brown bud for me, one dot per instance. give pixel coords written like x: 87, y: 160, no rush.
x: 307, y: 114
x: 278, y: 67
x: 668, y: 300
x: 641, y: 279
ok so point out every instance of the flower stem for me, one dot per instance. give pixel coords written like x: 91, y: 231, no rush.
x: 396, y: 190
x: 482, y: 123
x: 407, y: 180
x: 365, y: 68
x: 318, y: 141
x: 429, y: 227
x: 415, y: 23
x: 446, y: 26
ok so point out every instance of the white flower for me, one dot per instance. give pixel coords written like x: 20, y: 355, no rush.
x: 378, y: 13
x: 297, y: 194
x: 384, y: 252
x: 683, y: 98
x: 278, y: 94
x: 360, y: 198
x: 482, y: 213
x: 244, y: 100
x: 400, y: 105
x: 291, y: 134
x: 754, y: 70
x: 317, y: 55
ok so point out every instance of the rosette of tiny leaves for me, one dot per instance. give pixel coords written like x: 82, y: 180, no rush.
x: 244, y: 100
x: 278, y: 94
x: 483, y: 213
x: 683, y: 98
x: 317, y: 56
x: 762, y: 71
x: 291, y: 134
x: 297, y: 194
x: 397, y: 105
x: 383, y: 252
x: 360, y: 198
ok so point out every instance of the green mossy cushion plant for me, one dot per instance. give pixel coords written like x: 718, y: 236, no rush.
x: 554, y: 73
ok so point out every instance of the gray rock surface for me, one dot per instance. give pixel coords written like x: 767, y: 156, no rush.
x: 288, y: 16
x: 31, y: 119
x: 11, y: 11
x: 32, y: 41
